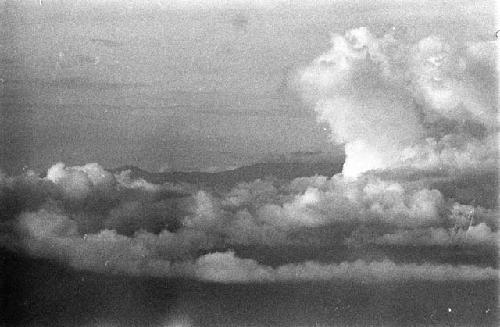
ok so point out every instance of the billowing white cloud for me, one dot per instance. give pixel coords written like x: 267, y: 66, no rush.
x: 340, y: 200
x: 397, y: 104
x: 482, y: 53
x: 124, y: 179
x: 78, y: 182
x: 452, y: 152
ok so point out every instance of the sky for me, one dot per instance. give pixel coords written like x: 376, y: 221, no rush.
x: 405, y: 233
x: 182, y: 85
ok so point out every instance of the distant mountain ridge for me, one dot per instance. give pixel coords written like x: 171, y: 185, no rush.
x: 278, y: 170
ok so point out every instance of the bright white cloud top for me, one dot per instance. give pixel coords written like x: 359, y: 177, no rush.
x: 389, y: 102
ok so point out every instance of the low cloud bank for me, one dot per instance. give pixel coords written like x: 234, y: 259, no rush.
x: 108, y: 252
x: 480, y: 234
x: 226, y: 267
x: 94, y: 220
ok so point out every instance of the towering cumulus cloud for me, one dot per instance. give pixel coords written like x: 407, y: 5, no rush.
x: 397, y: 104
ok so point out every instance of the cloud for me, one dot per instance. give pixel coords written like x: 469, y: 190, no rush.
x: 452, y: 152
x: 438, y: 80
x: 127, y: 182
x: 55, y: 236
x: 147, y: 254
x: 340, y: 200
x: 420, y: 169
x: 206, y: 212
x: 479, y: 234
x: 94, y: 199
x: 45, y: 224
x: 26, y: 192
x: 94, y: 220
x: 226, y: 267
x: 78, y: 182
x: 399, y: 104
x: 260, y: 207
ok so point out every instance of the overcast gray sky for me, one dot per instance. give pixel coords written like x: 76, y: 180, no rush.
x: 182, y: 85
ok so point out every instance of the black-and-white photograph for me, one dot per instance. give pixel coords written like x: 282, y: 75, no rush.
x: 249, y: 163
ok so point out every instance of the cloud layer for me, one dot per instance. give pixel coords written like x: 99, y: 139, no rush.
x: 225, y: 267
x: 94, y: 220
